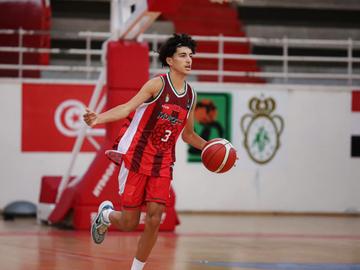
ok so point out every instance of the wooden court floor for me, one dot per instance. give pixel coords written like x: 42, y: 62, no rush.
x: 201, y: 242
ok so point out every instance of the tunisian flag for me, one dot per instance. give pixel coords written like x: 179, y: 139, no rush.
x: 52, y: 116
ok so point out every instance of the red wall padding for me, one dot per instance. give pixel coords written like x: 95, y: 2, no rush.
x: 127, y: 71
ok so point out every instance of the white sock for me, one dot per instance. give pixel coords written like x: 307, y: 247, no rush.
x: 137, y: 265
x: 106, y: 214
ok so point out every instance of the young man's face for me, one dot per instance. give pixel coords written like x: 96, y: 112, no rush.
x: 181, y: 60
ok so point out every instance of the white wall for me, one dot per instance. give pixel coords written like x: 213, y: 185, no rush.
x: 312, y: 172
x: 315, y: 172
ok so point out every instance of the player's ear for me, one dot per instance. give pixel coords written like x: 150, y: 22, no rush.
x: 169, y: 60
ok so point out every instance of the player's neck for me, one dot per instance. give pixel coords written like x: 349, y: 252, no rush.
x: 177, y: 79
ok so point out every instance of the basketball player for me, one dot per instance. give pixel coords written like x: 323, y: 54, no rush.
x: 156, y: 116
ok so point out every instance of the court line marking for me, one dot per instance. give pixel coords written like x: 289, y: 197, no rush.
x: 189, y: 234
x: 284, y: 266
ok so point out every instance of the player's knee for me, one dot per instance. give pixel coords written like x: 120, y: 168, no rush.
x: 153, y: 220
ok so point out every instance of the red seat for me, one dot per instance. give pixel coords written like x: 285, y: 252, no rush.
x: 28, y: 15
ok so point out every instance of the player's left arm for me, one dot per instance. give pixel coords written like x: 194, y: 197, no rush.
x: 189, y: 136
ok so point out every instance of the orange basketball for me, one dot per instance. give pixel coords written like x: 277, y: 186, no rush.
x: 218, y: 155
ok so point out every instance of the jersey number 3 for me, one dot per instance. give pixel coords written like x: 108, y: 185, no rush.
x: 166, y: 136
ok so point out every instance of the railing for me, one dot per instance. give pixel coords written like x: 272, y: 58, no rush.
x: 348, y: 75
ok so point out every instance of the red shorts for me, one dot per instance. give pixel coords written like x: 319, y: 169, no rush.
x: 139, y: 189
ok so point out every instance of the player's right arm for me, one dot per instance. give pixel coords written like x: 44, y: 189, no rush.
x: 149, y: 89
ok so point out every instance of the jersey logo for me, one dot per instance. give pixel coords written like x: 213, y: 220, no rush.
x: 173, y: 118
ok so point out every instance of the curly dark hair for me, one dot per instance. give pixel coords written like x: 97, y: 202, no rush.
x: 169, y: 47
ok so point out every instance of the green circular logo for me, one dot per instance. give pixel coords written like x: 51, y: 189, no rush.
x: 262, y: 130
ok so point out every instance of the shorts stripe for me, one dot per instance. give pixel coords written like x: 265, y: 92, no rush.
x: 158, y: 159
x: 123, y: 175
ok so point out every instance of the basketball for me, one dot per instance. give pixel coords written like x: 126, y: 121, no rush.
x: 218, y: 155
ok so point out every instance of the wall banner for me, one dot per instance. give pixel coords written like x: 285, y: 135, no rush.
x: 52, y: 117
x: 212, y: 119
x: 355, y: 124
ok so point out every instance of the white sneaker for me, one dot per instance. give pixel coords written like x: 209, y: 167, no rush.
x: 99, y: 226
x: 115, y: 156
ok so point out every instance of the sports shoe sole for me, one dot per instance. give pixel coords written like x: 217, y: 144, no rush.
x: 99, y: 238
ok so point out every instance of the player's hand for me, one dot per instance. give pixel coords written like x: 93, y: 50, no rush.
x: 90, y: 117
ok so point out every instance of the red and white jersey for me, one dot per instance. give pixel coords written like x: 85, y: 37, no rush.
x: 148, y: 141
